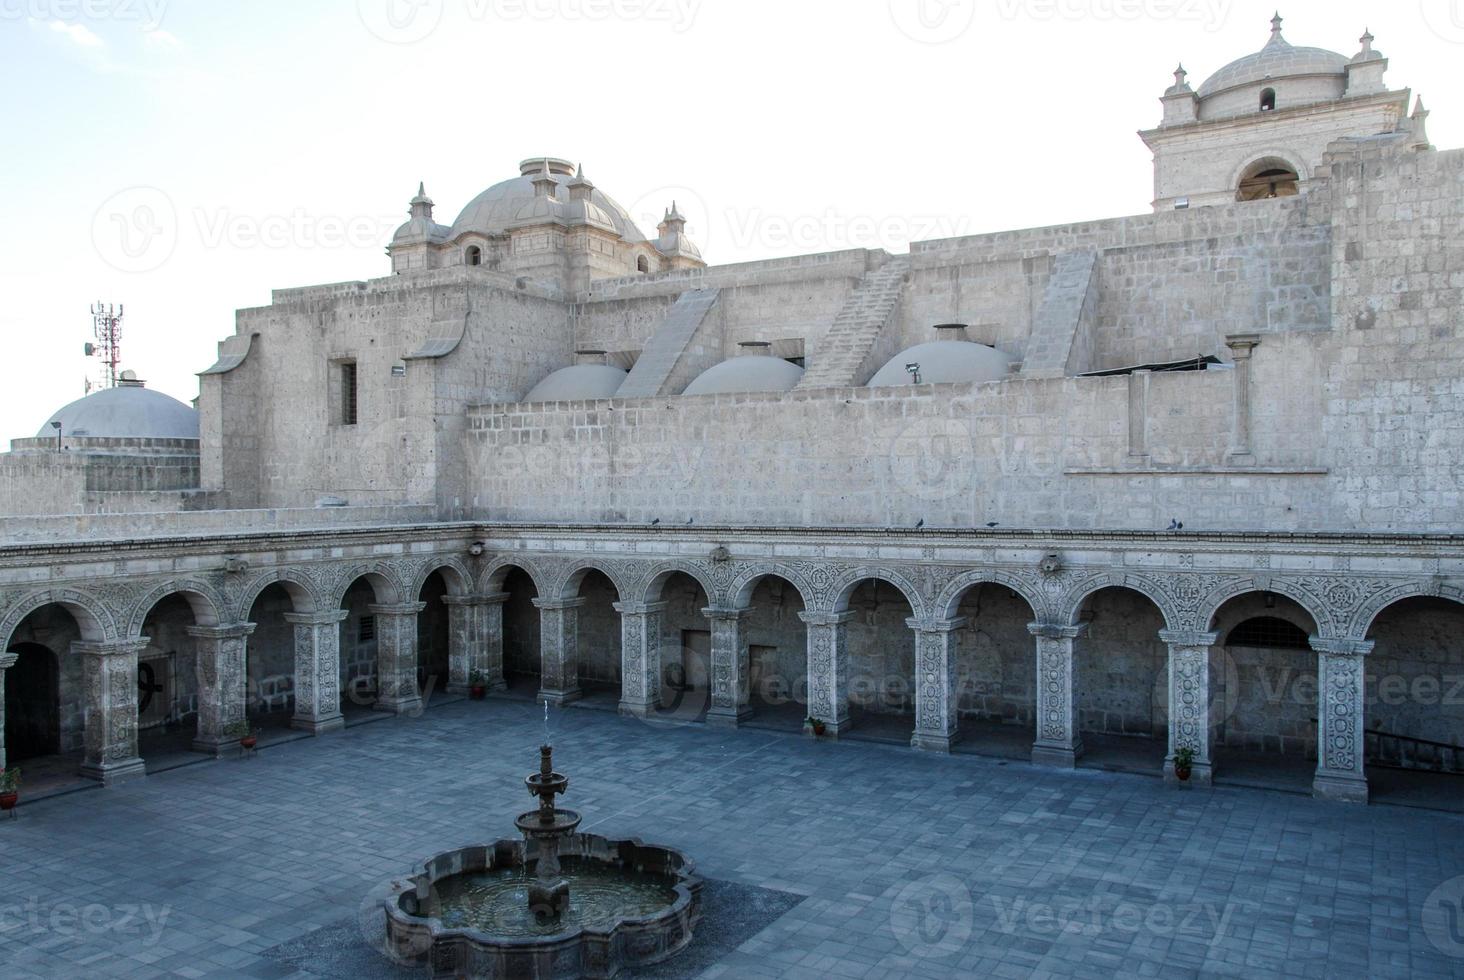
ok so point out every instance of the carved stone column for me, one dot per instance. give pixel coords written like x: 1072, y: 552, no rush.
x: 936, y: 644
x: 222, y: 683
x: 475, y: 641
x: 640, y: 657
x: 317, y: 670
x: 1241, y: 346
x: 559, y: 649
x: 396, y: 657
x: 1341, y: 682
x: 7, y: 660
x: 731, y: 668
x: 1058, y: 742
x: 828, y: 669
x: 1189, y: 701
x: 109, y: 679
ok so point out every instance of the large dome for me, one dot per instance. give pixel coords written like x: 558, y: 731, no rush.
x: 747, y: 372
x: 944, y: 362
x: 508, y: 202
x: 1278, y: 59
x: 129, y: 411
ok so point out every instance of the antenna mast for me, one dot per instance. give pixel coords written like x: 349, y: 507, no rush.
x: 107, y: 326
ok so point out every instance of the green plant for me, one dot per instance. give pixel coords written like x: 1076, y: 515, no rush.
x: 1184, y: 758
x: 813, y: 722
x: 478, y: 678
x: 238, y: 729
x: 9, y: 780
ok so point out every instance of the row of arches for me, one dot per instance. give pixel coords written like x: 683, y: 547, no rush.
x: 1262, y: 688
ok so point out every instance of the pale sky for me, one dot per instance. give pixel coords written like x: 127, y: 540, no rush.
x: 275, y: 143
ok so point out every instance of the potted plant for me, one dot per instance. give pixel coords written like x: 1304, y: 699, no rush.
x: 9, y: 788
x: 1184, y: 761
x: 816, y: 724
x: 478, y: 685
x: 247, y: 737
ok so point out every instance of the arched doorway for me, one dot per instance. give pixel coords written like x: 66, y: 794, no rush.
x: 1121, y: 676
x: 1414, y: 706
x: 521, y: 631
x: 685, y: 648
x: 996, y: 687
x: 598, y: 638
x: 1263, y: 692
x: 32, y: 704
x: 881, y: 672
x: 777, y: 655
x: 359, y: 646
x: 433, y: 636
x: 269, y: 698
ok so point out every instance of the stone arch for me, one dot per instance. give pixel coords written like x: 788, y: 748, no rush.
x: 846, y: 581
x: 295, y: 582
x: 1205, y: 617
x: 1278, y: 157
x: 648, y: 589
x: 208, y: 606
x: 568, y: 586
x: 92, y: 617
x: 1070, y: 606
x: 739, y: 591
x: 385, y: 583
x: 1362, y: 619
x: 949, y: 600
x: 455, y: 573
x: 491, y: 581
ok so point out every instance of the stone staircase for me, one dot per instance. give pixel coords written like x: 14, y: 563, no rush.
x: 843, y: 355
x: 665, y: 348
x: 1057, y: 347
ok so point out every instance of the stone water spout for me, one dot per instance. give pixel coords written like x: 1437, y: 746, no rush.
x: 545, y: 827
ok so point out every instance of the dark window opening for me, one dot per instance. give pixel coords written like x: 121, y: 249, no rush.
x: 1267, y: 631
x: 366, y: 629
x: 474, y: 255
x: 641, y: 265
x: 796, y: 360
x: 1268, y: 100
x: 348, y: 393
x: 1272, y: 181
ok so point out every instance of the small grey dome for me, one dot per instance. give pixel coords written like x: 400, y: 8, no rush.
x: 943, y: 362
x: 125, y: 412
x: 749, y: 372
x: 1278, y: 59
x: 579, y: 382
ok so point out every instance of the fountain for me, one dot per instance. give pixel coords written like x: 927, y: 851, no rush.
x: 590, y: 907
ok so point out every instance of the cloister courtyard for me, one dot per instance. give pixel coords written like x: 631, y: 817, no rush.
x: 822, y: 859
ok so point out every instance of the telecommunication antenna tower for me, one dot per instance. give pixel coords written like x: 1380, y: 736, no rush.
x: 107, y: 326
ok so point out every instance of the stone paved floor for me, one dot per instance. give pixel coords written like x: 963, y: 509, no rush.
x: 913, y: 864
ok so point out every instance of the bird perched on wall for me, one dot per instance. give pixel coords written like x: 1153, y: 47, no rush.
x: 690, y: 521
x: 991, y: 523
x: 655, y: 521
x: 920, y: 524
x: 1175, y: 525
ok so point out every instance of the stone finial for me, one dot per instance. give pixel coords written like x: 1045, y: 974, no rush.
x: 544, y: 181
x: 1276, y: 25
x: 672, y: 221
x: 421, y: 205
x: 1418, y: 125
x: 1181, y: 84
x: 1367, y: 53
x: 581, y: 186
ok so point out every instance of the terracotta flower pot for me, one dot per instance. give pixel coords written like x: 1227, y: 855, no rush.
x: 819, y: 729
x: 249, y: 741
x: 478, y: 692
x: 8, y: 801
x: 1182, y: 773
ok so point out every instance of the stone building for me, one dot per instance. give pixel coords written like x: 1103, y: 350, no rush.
x: 1181, y: 480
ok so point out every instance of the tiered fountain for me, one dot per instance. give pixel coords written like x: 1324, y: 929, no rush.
x: 590, y: 907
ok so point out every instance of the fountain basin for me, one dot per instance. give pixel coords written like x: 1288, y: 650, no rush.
x: 464, y: 913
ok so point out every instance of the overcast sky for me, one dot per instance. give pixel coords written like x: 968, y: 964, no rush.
x: 184, y: 157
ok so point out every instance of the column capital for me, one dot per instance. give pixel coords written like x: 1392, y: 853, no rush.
x: 1341, y: 646
x: 227, y: 631
x: 395, y: 608
x: 718, y: 613
x: 7, y: 660
x: 815, y: 618
x: 321, y: 617
x: 112, y: 648
x: 1241, y: 344
x: 1057, y: 631
x: 638, y: 608
x: 475, y: 600
x: 574, y: 603
x: 1186, y: 638
x: 937, y: 625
